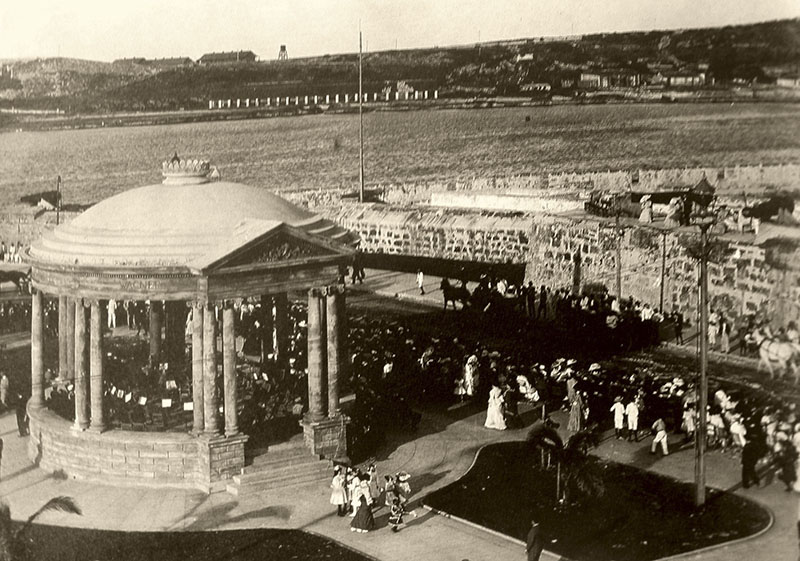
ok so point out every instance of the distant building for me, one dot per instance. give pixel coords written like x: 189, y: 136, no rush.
x: 159, y: 63
x: 684, y: 79
x: 132, y: 60
x: 536, y: 87
x: 592, y: 81
x: 173, y: 62
x: 789, y: 81
x: 232, y: 57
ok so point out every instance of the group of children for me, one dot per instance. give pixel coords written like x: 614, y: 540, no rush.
x: 12, y: 253
x: 359, y: 494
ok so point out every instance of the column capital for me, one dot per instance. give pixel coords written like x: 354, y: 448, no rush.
x: 316, y: 292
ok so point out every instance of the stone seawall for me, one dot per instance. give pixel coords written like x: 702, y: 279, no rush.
x: 752, y: 279
x: 430, y: 233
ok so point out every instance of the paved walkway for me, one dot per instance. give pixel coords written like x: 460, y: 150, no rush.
x: 440, y: 453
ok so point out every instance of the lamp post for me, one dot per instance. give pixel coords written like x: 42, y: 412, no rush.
x: 704, y: 221
x: 618, y: 231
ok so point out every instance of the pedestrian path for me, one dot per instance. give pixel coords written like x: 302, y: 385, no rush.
x: 440, y: 453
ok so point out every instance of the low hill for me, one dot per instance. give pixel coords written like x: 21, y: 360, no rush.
x: 742, y: 54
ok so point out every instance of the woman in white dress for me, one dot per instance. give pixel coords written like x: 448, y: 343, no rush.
x: 471, y: 376
x: 494, y: 414
x: 338, y: 492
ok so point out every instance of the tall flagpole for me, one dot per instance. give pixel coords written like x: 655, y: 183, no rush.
x: 360, y: 126
x: 58, y: 200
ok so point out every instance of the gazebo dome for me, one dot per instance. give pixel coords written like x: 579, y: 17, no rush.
x: 172, y: 224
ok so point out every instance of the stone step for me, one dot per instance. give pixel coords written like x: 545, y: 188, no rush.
x: 290, y: 479
x: 278, y: 471
x: 287, y: 451
x: 269, y: 461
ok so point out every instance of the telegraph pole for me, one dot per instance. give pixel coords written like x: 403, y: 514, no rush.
x: 663, y: 270
x: 702, y: 387
x: 360, y: 125
x: 619, y: 254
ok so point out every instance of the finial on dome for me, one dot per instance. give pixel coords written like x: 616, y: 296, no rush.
x: 177, y: 171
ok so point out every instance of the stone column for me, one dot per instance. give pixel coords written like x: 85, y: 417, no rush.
x: 281, y: 326
x: 63, y: 348
x: 81, y: 373
x: 210, y: 404
x: 229, y: 370
x: 334, y: 320
x: 70, y: 337
x: 268, y: 327
x: 37, y: 350
x: 156, y: 321
x: 174, y: 329
x: 198, y: 423
x: 96, y: 367
x: 316, y: 356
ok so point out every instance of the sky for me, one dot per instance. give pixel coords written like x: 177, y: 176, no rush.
x: 106, y: 30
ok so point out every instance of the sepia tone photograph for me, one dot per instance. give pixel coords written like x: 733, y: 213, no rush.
x: 384, y: 280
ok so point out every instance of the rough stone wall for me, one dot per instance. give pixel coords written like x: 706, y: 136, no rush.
x: 751, y: 279
x: 754, y: 279
x: 473, y: 237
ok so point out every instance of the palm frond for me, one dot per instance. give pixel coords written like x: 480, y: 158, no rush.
x: 543, y: 436
x: 61, y: 504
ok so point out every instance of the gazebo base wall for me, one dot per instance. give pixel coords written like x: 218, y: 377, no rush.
x: 221, y: 457
x: 150, y: 459
x: 326, y: 438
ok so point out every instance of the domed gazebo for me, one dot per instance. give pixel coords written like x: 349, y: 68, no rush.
x: 186, y: 241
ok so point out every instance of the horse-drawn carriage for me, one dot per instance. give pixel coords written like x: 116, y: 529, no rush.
x: 20, y: 279
x: 777, y: 355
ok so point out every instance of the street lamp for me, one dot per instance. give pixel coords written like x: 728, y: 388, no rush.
x: 704, y: 219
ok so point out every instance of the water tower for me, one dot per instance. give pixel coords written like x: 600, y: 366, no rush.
x: 283, y: 54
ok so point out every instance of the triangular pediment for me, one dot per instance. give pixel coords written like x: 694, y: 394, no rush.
x: 269, y: 244
x: 279, y: 247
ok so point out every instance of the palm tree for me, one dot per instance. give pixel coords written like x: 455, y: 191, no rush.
x: 582, y: 477
x: 12, y: 543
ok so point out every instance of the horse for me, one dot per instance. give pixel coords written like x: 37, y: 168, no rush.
x: 22, y: 280
x: 454, y: 294
x: 780, y: 354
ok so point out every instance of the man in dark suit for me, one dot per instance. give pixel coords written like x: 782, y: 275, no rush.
x: 535, y: 542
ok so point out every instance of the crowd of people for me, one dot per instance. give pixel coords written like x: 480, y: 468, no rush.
x: 362, y: 493
x: 14, y: 316
x: 397, y: 364
x: 11, y: 253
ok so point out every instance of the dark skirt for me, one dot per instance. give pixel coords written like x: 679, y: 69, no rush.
x: 363, y: 520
